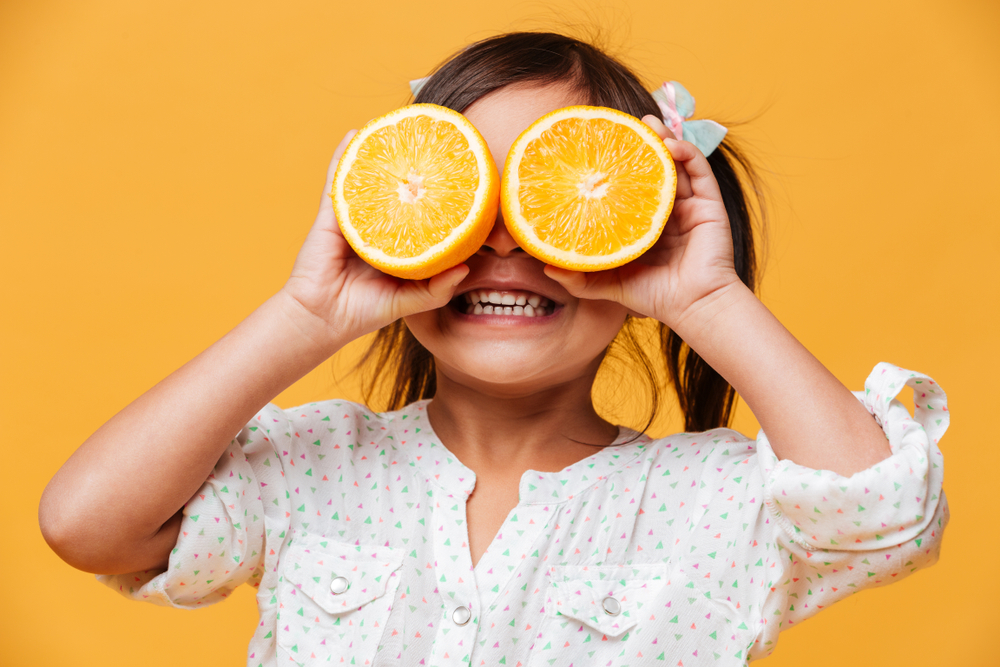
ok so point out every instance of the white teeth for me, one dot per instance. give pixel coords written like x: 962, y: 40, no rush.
x: 498, y: 302
x: 517, y: 311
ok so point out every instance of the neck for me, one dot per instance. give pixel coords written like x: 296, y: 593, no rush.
x: 505, y: 431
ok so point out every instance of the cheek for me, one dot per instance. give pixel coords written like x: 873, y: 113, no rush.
x: 602, y: 320
x: 423, y: 326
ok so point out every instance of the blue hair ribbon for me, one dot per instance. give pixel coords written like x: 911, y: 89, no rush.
x: 677, y: 106
x: 417, y: 84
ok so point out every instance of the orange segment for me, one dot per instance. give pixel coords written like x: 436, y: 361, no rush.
x: 416, y: 191
x: 587, y: 188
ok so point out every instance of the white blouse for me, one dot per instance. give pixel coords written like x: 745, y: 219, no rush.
x: 697, y: 549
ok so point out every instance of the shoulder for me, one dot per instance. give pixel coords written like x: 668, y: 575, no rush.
x: 709, y: 453
x: 335, y: 429
x: 333, y: 416
x: 700, y: 471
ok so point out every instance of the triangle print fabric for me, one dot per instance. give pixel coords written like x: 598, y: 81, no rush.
x: 695, y: 549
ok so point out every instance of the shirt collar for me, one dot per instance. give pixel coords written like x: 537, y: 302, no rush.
x: 439, y: 466
x: 591, y: 472
x: 425, y: 451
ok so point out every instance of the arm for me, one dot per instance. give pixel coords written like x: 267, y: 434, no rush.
x: 114, y: 507
x: 787, y: 388
x: 688, y: 282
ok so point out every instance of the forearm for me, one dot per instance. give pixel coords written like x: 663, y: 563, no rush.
x: 807, y: 413
x: 109, y: 508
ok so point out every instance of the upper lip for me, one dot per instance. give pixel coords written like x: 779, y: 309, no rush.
x: 501, y: 284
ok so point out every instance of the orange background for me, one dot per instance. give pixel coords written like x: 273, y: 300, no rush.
x: 160, y: 164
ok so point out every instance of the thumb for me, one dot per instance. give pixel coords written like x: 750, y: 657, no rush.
x: 417, y: 296
x: 441, y: 288
x: 599, y: 285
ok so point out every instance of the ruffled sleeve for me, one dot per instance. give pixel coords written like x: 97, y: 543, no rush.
x: 837, y: 535
x: 890, y: 503
x: 222, y: 537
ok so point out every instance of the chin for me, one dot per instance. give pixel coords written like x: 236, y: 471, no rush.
x: 493, y: 370
x: 509, y: 376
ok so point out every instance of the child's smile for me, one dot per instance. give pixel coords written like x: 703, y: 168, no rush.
x: 504, y: 300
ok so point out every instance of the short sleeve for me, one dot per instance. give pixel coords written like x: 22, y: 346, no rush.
x: 221, y: 541
x: 889, y: 503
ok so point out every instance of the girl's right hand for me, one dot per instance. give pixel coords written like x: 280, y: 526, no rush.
x: 340, y: 296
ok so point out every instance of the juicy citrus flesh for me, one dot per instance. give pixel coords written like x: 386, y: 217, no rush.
x: 416, y: 191
x: 587, y: 188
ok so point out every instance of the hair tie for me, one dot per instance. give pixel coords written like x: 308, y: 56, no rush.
x: 417, y: 84
x: 677, y: 106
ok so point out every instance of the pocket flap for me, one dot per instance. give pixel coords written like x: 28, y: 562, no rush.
x: 314, y: 562
x: 582, y: 593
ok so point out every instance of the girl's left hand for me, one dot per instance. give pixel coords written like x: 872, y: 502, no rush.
x: 691, y: 261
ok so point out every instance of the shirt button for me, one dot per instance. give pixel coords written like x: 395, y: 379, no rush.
x: 461, y: 615
x: 611, y: 606
x: 339, y: 585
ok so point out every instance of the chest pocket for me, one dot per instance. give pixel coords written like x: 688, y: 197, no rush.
x: 334, y: 599
x: 636, y: 615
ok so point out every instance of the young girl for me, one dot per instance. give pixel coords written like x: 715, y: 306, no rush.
x: 494, y: 517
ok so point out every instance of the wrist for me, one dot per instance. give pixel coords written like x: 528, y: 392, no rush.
x: 310, y: 334
x: 697, y: 320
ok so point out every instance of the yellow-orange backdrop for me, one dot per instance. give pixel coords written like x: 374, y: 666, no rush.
x: 161, y: 162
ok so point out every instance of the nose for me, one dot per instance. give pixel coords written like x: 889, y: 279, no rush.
x: 500, y: 242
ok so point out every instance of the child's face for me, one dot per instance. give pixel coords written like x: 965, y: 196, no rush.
x: 515, y: 354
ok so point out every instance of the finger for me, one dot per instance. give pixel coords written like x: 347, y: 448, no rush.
x: 636, y: 314
x: 657, y: 125
x: 441, y: 288
x: 664, y: 132
x: 599, y: 285
x: 684, y: 190
x: 417, y: 296
x: 699, y: 172
x: 326, y: 203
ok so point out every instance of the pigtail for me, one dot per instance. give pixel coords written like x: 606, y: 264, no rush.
x: 397, y: 363
x: 705, y: 398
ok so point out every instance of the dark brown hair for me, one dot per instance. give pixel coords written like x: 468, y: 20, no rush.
x: 397, y: 360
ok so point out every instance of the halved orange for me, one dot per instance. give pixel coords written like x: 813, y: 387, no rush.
x: 587, y: 188
x: 416, y: 191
